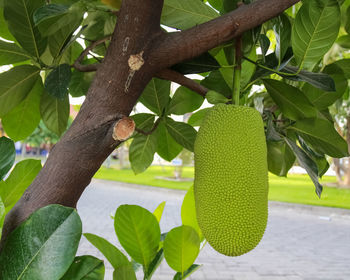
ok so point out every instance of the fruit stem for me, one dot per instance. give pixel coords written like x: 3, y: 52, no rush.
x: 237, y: 71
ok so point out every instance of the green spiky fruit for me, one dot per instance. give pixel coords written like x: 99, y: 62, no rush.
x: 231, y: 180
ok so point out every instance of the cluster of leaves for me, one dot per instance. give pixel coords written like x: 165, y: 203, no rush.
x: 138, y: 232
x: 300, y: 86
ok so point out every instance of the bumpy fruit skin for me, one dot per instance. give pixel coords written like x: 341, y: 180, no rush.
x: 231, y: 179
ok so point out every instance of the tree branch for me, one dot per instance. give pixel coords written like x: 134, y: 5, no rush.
x: 176, y: 77
x: 89, y: 67
x: 176, y: 47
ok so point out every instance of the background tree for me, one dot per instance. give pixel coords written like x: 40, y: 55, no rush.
x: 129, y: 57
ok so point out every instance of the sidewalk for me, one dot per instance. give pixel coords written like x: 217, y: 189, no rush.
x: 301, y: 242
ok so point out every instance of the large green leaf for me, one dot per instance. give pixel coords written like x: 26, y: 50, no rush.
x: 22, y: 120
x: 188, y: 212
x: 15, y: 85
x: 112, y: 253
x: 183, y: 14
x: 10, y: 53
x: 344, y: 64
x: 58, y: 41
x: 184, y: 101
x: 54, y: 112
x: 20, y: 178
x: 323, y: 99
x: 214, y: 97
x: 197, y: 117
x: 156, y: 95
x: 80, y: 83
x: 125, y: 272
x: 181, y: 248
x: 167, y: 147
x: 48, y: 11
x: 43, y: 247
x: 315, y: 30
x: 144, y: 121
x: 155, y: 263
x: 138, y: 232
x: 4, y: 31
x: 215, y: 81
x: 85, y: 268
x: 283, y: 32
x: 280, y: 158
x: 7, y: 155
x: 307, y: 163
x: 183, y: 133
x: 57, y: 82
x: 200, y: 64
x: 322, y: 136
x: 141, y: 152
x: 292, y: 101
x: 344, y: 41
x: 2, y: 213
x: 19, y: 16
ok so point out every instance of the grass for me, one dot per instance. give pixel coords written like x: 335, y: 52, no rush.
x: 294, y: 189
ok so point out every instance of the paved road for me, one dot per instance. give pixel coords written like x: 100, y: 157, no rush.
x: 300, y: 243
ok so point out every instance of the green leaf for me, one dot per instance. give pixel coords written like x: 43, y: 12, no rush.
x: 10, y: 53
x: 323, y: 99
x: 184, y: 101
x: 43, y: 247
x: 85, y: 268
x: 215, y: 81
x: 187, y: 273
x: 158, y: 212
x: 7, y: 155
x: 347, y: 21
x: 19, y: 16
x: 138, y: 232
x: 156, y: 95
x: 280, y: 158
x: 200, y: 64
x: 80, y: 83
x: 214, y: 97
x: 344, y: 64
x: 188, y: 212
x: 112, y: 253
x: 4, y: 31
x: 197, y: 117
x: 322, y: 136
x: 48, y: 11
x: 264, y: 42
x: 183, y: 133
x: 344, y: 41
x: 2, y: 213
x: 181, y: 248
x: 319, y: 80
x: 167, y: 147
x: 183, y: 14
x: 15, y: 85
x: 292, y: 101
x: 141, y: 152
x: 283, y: 32
x: 59, y: 40
x: 22, y: 120
x: 124, y: 272
x: 315, y: 29
x: 57, y: 82
x: 99, y: 24
x: 144, y: 121
x: 155, y: 263
x: 19, y: 180
x: 55, y: 113
x: 307, y: 163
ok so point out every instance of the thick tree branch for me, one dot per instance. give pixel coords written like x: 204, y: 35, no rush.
x: 176, y: 77
x: 176, y: 47
x: 89, y: 67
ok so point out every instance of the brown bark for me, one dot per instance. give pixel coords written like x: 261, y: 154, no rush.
x: 138, y: 50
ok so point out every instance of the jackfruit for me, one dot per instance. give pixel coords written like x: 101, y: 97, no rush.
x: 231, y: 179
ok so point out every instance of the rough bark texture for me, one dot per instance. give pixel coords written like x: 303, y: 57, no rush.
x: 118, y: 84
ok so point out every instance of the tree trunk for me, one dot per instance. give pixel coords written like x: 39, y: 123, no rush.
x: 139, y: 50
x: 338, y: 170
x: 347, y: 171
